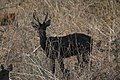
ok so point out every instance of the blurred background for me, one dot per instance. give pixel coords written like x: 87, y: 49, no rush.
x: 19, y: 42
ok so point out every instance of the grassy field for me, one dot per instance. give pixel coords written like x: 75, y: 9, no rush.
x: 19, y: 43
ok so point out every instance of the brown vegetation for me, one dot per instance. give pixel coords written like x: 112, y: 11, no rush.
x: 19, y: 44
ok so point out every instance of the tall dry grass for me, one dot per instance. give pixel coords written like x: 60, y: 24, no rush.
x: 97, y: 18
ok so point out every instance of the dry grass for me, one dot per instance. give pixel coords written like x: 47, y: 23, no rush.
x: 97, y: 18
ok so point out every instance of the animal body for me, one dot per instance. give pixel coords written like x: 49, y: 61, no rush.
x: 4, y: 73
x: 76, y: 44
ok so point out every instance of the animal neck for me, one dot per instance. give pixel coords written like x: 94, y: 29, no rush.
x: 4, y: 77
x: 43, y: 39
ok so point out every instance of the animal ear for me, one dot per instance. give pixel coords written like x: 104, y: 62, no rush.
x: 2, y: 67
x: 35, y: 25
x: 48, y: 23
x: 10, y: 67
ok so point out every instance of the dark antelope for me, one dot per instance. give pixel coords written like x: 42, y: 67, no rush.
x: 4, y: 73
x: 76, y: 44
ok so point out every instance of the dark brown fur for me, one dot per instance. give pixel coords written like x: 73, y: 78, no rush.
x: 76, y: 44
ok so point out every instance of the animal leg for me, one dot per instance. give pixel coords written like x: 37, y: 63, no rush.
x: 61, y: 64
x: 53, y: 66
x: 78, y: 59
x: 65, y: 72
x: 80, y: 63
x: 85, y: 58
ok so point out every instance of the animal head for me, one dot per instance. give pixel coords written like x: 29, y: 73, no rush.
x: 38, y: 25
x: 4, y: 73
